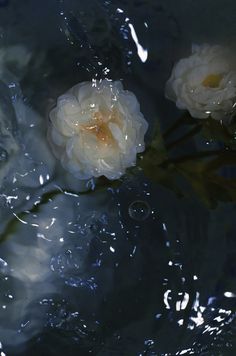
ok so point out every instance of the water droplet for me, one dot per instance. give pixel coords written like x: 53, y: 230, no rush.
x: 139, y: 210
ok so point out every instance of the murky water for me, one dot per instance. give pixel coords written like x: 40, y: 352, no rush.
x: 125, y: 268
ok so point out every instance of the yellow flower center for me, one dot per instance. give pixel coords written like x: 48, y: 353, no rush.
x: 99, y: 125
x: 212, y: 81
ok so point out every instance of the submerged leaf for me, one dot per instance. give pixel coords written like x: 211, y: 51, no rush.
x: 201, y: 169
x: 204, y: 178
x: 217, y: 131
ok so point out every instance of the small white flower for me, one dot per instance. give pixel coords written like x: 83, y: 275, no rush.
x: 97, y: 129
x: 204, y: 83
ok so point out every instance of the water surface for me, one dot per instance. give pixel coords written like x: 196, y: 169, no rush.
x: 129, y: 269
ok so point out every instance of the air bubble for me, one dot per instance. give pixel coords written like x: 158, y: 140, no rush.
x: 139, y: 210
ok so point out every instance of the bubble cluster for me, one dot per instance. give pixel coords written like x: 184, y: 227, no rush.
x: 70, y: 265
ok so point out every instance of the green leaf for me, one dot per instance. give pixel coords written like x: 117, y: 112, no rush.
x: 216, y: 130
x: 200, y: 169
x: 208, y: 184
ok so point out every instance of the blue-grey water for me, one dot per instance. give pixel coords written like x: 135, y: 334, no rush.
x: 128, y: 270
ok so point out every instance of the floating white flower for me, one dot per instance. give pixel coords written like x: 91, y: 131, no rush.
x: 97, y: 129
x: 204, y: 83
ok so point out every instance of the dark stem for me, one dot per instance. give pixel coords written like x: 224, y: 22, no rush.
x: 199, y: 155
x: 187, y: 136
x: 184, y: 119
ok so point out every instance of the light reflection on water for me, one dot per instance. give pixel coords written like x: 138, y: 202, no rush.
x: 131, y: 270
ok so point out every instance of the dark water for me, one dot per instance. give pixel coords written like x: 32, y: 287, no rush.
x: 136, y: 269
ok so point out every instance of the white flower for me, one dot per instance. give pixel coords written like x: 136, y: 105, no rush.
x: 97, y: 129
x: 204, y: 83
